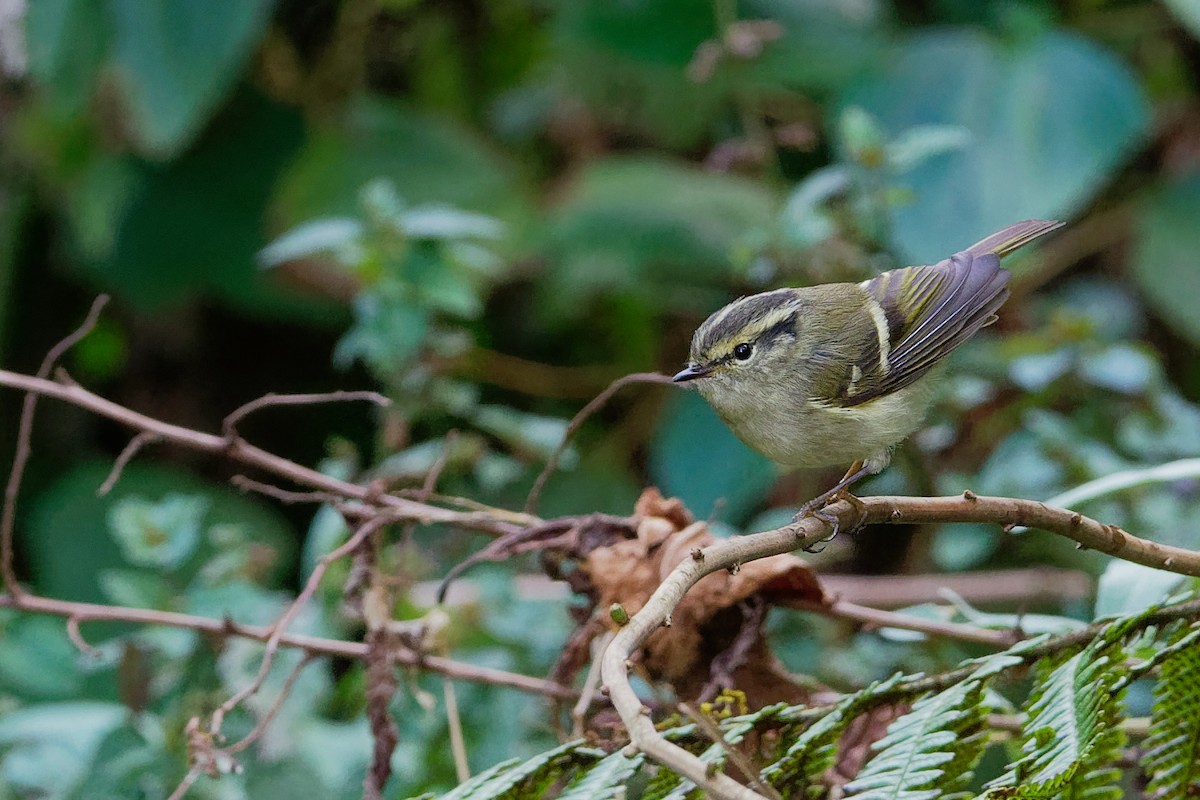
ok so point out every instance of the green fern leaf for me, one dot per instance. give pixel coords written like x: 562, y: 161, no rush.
x: 716, y: 755
x: 931, y: 751
x: 605, y: 780
x: 1172, y: 755
x: 798, y: 772
x: 1072, y: 734
x: 470, y: 788
x: 516, y: 778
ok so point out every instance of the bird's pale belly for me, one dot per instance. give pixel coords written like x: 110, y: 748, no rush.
x: 805, y: 435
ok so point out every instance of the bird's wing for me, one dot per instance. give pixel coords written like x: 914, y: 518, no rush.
x: 920, y: 315
x: 916, y: 316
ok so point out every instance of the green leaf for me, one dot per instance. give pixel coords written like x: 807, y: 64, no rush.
x: 815, y: 749
x: 1128, y: 588
x: 68, y: 544
x: 196, y: 224
x: 605, y: 780
x: 693, y: 456
x: 1171, y: 753
x: 679, y: 228
x: 1188, y: 12
x: 387, y: 332
x: 428, y: 159
x: 66, y: 41
x: 177, y: 60
x: 47, y: 748
x: 136, y: 588
x: 441, y: 221
x: 1071, y: 734
x: 1049, y: 118
x: 1121, y: 367
x: 930, y: 752
x: 716, y: 754
x: 162, y: 533
x: 334, y: 235
x: 530, y: 433
x: 513, y: 775
x: 37, y: 660
x: 1164, y: 261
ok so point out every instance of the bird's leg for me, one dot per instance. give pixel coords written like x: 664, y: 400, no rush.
x: 840, y: 491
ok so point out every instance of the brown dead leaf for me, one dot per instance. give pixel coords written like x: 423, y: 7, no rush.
x: 715, y: 631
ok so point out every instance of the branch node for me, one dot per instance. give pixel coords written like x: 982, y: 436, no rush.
x: 76, y: 637
x: 969, y: 495
x: 697, y: 554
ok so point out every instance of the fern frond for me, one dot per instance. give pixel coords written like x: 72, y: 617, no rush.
x: 1172, y: 756
x: 930, y: 752
x: 605, y: 780
x: 716, y: 754
x: 518, y: 779
x: 798, y: 772
x: 1072, y: 734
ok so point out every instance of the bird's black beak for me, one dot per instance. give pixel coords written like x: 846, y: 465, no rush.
x: 690, y: 373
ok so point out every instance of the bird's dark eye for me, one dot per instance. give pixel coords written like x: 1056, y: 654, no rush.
x: 743, y: 351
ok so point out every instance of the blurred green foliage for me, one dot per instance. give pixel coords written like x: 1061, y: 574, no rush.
x: 492, y: 209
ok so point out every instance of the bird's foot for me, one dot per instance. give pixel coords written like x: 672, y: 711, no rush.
x: 817, y: 508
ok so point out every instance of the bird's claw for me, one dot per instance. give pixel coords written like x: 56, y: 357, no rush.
x: 817, y: 508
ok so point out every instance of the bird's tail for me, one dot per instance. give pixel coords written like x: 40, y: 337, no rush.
x: 1017, y: 235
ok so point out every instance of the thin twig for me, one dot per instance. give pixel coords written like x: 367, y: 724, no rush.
x: 269, y: 716
x: 430, y: 482
x: 229, y: 426
x: 878, y: 618
x: 285, y: 619
x: 594, y: 405
x: 76, y: 637
x: 710, y: 730
x: 248, y: 484
x: 182, y: 789
x: 591, y: 683
x: 246, y: 453
x: 24, y: 447
x: 458, y: 745
x: 123, y: 458
x: 91, y: 612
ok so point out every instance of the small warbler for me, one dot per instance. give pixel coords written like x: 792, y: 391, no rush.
x: 839, y: 373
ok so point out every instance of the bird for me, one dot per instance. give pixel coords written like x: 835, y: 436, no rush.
x: 841, y: 373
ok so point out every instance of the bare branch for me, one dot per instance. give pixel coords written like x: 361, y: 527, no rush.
x: 283, y: 495
x: 590, y: 684
x: 458, y: 744
x: 710, y: 730
x: 285, y: 619
x: 76, y: 637
x: 594, y: 405
x: 267, y: 718
x: 87, y: 612
x: 1029, y: 585
x: 969, y: 507
x: 877, y: 618
x: 24, y: 445
x: 246, y: 453
x: 123, y: 458
x: 229, y: 426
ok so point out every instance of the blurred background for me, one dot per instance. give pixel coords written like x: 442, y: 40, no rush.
x: 489, y: 211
